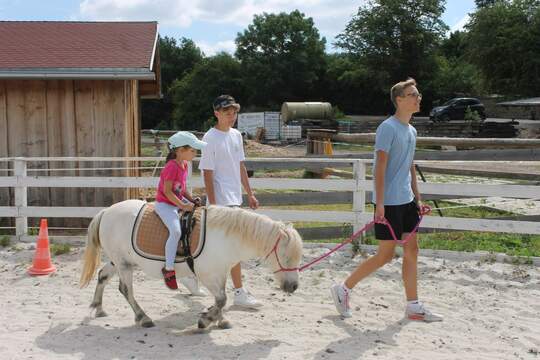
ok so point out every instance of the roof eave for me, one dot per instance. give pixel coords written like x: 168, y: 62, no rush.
x: 94, y: 74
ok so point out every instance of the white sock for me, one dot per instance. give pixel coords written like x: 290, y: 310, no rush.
x: 346, y: 288
x: 414, y: 305
x: 238, y: 291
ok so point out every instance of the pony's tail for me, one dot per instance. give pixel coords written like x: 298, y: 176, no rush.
x: 92, y: 253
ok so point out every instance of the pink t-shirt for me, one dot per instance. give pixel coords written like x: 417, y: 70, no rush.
x: 177, y: 174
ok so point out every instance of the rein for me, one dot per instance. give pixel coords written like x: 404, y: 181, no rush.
x: 424, y: 210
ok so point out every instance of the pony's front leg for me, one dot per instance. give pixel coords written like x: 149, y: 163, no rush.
x: 215, y: 313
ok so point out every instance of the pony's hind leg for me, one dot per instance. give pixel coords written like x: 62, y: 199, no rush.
x: 104, y: 275
x: 125, y: 272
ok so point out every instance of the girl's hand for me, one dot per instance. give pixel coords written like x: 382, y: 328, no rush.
x: 188, y: 207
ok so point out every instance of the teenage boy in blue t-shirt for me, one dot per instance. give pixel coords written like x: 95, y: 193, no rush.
x: 397, y: 200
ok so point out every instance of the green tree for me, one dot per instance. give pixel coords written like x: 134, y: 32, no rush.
x: 395, y: 39
x: 176, y: 59
x: 485, y: 3
x: 455, y: 75
x: 282, y: 57
x: 194, y: 93
x: 504, y: 43
x: 348, y: 85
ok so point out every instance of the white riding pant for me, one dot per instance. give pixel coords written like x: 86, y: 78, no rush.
x: 169, y: 215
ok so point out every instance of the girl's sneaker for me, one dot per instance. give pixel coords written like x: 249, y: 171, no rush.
x: 170, y: 278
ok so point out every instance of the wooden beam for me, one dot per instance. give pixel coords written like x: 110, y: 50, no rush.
x: 369, y: 138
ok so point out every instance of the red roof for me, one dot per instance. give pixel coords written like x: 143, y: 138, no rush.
x: 59, y: 44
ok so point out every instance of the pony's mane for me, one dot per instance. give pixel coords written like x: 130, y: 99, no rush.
x: 253, y: 230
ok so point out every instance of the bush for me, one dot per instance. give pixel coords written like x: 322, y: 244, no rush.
x: 4, y: 241
x: 472, y: 116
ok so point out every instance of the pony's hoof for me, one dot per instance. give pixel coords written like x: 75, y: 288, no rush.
x: 225, y: 324
x: 101, y: 313
x: 202, y: 324
x: 147, y: 323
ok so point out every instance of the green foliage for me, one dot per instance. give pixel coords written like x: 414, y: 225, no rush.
x: 4, y: 241
x: 504, y: 43
x: 338, y: 114
x: 389, y: 39
x: 194, y: 94
x: 456, y: 77
x: 472, y: 116
x: 283, y: 59
x: 59, y: 249
x: 177, y: 59
x: 485, y: 3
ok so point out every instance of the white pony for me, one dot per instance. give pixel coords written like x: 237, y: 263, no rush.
x: 232, y: 235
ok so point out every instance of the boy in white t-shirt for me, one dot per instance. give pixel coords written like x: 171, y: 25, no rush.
x: 224, y: 173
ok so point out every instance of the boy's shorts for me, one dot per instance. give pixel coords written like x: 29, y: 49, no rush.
x: 402, y: 218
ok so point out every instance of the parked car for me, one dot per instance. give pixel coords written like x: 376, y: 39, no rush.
x: 454, y: 109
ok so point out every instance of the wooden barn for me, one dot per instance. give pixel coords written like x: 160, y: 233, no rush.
x: 74, y: 89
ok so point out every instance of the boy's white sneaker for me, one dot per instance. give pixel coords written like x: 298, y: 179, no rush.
x: 341, y: 300
x: 245, y: 299
x: 418, y: 312
x: 192, y: 284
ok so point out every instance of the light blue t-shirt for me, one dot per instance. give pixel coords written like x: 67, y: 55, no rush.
x: 398, y: 140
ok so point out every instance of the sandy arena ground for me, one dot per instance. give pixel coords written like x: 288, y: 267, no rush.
x: 491, y: 312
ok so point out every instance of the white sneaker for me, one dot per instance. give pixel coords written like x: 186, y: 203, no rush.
x: 192, y: 284
x: 418, y: 312
x: 341, y: 300
x: 245, y: 299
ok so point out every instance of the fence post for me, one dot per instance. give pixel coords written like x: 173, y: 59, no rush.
x: 359, y: 194
x: 21, y: 198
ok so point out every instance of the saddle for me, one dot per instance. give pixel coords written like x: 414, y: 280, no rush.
x: 150, y: 235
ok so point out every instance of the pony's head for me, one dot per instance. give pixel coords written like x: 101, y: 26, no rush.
x: 281, y: 243
x: 284, y: 258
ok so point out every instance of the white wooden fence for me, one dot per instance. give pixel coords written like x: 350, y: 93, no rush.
x: 20, y: 181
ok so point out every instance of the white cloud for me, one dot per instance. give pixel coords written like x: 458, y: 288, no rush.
x: 330, y: 16
x: 210, y: 49
x: 460, y: 24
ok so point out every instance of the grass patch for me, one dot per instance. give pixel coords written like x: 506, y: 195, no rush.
x: 59, y: 249
x: 469, y: 241
x: 4, y: 241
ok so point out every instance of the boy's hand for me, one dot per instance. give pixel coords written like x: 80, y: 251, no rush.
x: 379, y: 214
x: 423, y: 209
x: 253, y: 202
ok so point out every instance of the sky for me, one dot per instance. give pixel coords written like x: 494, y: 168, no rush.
x: 212, y: 24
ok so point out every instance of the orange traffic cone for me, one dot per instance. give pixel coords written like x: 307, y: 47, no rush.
x: 42, y: 258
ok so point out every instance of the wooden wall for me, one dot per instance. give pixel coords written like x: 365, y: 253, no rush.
x: 45, y: 118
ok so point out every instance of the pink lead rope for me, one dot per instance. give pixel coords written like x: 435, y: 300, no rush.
x: 423, y: 210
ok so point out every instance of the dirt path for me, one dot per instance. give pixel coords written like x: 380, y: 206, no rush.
x: 491, y: 312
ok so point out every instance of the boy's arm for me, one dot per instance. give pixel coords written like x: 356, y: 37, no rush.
x: 414, y: 184
x: 208, y: 176
x: 380, y: 173
x: 253, y: 202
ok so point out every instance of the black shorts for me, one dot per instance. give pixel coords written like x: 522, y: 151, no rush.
x: 403, y: 219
